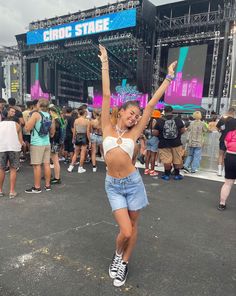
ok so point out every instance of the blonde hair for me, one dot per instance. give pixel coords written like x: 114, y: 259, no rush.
x: 43, y: 104
x: 197, y: 115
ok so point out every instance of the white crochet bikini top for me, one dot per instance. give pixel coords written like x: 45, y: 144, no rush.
x: 126, y: 144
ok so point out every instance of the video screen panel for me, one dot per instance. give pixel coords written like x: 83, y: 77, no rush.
x: 35, y: 88
x: 186, y: 90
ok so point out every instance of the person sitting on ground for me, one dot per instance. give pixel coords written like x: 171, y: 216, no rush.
x: 230, y: 165
x: 169, y: 130
x: 196, y: 131
x: 42, y: 127
x: 10, y: 147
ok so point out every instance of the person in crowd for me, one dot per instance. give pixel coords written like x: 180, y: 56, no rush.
x: 2, y: 109
x: 124, y: 185
x: 230, y: 165
x: 42, y: 127
x: 169, y: 130
x: 81, y: 137
x: 18, y: 114
x: 10, y: 147
x: 196, y: 131
x: 26, y: 135
x: 142, y: 149
x: 56, y: 145
x: 95, y: 137
x: 212, y: 125
x: 35, y: 106
x: 224, y: 126
x: 151, y: 149
x: 68, y: 145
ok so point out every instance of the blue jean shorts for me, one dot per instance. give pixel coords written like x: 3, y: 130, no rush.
x: 152, y: 144
x: 95, y: 138
x: 128, y: 192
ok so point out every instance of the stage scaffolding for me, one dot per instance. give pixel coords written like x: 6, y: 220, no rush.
x: 216, y: 26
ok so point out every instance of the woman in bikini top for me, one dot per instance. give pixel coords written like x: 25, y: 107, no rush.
x: 124, y: 186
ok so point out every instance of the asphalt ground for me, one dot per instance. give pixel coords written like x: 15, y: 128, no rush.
x: 60, y: 243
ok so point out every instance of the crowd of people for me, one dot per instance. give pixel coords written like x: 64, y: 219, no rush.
x: 75, y: 137
x: 123, y: 136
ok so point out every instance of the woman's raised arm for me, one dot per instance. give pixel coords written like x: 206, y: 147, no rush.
x: 106, y: 92
x: 156, y: 97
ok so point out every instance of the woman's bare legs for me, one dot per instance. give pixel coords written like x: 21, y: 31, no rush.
x: 82, y: 155
x: 93, y: 153
x: 225, y: 190
x: 75, y: 156
x: 153, y: 160
x: 127, y: 237
x: 55, y: 160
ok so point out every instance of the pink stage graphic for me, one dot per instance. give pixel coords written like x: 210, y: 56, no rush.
x: 184, y: 91
x: 36, y: 92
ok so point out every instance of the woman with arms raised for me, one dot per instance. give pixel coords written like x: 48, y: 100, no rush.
x: 123, y: 184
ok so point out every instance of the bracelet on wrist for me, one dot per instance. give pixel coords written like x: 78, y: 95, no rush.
x: 170, y: 77
x: 170, y: 80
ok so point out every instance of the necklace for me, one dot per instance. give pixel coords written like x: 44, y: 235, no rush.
x: 119, y: 130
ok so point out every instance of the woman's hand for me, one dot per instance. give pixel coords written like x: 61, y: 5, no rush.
x: 171, y: 68
x: 103, y: 54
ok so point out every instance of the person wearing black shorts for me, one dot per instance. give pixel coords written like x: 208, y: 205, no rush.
x: 230, y: 166
x: 224, y: 126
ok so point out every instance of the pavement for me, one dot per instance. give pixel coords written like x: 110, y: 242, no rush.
x: 60, y: 243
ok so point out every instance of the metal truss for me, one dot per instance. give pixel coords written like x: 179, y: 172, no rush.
x: 212, y: 82
x: 186, y: 21
x: 82, y: 15
x: 228, y: 69
x: 156, y: 68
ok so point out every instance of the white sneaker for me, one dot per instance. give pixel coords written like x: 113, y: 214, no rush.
x: 81, y: 170
x: 70, y: 168
x: 94, y: 169
x: 51, y: 166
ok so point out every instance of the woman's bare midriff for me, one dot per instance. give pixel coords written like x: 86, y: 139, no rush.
x: 119, y: 164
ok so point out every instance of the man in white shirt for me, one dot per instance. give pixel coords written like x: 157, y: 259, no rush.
x: 10, y: 147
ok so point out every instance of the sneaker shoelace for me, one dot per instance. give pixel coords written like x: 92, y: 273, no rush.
x: 121, y: 272
x: 115, y: 263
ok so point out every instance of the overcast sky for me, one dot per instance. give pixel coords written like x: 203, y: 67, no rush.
x: 15, y: 15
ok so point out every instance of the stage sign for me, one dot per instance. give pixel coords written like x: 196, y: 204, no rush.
x: 101, y: 24
x: 15, y: 83
x: 186, y: 90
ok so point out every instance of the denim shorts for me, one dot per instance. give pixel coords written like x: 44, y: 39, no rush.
x: 152, y: 144
x: 95, y: 138
x: 128, y: 192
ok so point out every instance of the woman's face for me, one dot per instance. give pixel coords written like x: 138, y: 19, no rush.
x: 130, y: 115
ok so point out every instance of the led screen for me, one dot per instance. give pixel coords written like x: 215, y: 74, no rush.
x: 35, y: 88
x: 186, y: 90
x: 101, y: 24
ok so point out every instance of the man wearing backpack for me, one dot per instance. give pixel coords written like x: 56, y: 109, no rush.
x: 42, y: 128
x: 169, y: 130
